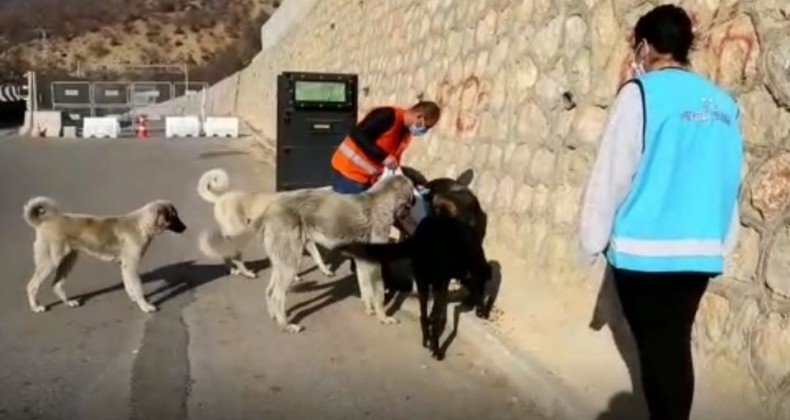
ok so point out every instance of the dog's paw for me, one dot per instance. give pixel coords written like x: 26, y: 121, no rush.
x: 369, y: 310
x: 243, y: 273
x: 328, y: 273
x: 389, y: 320
x: 297, y: 279
x: 148, y: 308
x: 293, y: 328
x: 39, y: 309
x: 438, y: 355
x: 73, y: 303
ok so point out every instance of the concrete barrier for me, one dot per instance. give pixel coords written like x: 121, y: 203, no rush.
x: 221, y: 127
x: 188, y: 126
x: 100, y: 127
x: 47, y: 123
x: 69, y: 132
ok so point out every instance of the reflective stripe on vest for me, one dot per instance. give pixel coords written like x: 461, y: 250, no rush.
x: 668, y: 248
x: 357, y: 159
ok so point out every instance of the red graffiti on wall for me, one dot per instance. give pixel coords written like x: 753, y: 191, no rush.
x: 707, y: 42
x: 468, y: 97
x: 745, y: 42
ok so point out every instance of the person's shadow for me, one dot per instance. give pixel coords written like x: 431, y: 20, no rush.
x: 608, y: 312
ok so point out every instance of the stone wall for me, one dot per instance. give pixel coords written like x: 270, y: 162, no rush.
x: 525, y: 86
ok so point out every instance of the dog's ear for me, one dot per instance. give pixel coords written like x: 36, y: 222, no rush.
x: 414, y: 175
x: 444, y: 205
x: 165, y: 213
x: 162, y: 216
x: 466, y: 177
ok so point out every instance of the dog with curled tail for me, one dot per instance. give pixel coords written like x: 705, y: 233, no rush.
x: 122, y: 239
x: 234, y: 211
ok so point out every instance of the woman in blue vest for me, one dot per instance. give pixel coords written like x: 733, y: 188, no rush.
x: 662, y: 202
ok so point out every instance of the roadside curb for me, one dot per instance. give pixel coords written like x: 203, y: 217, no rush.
x: 261, y: 147
x: 552, y: 396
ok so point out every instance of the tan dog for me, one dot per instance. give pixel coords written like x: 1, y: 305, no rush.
x: 329, y: 219
x: 233, y: 212
x: 123, y: 239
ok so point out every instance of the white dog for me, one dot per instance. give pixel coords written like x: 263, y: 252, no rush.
x: 234, y: 210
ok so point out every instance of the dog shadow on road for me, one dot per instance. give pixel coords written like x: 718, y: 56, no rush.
x: 491, y: 293
x: 334, y: 292
x: 609, y: 313
x: 178, y: 278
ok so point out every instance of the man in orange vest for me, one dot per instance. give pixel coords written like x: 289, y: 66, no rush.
x: 377, y: 142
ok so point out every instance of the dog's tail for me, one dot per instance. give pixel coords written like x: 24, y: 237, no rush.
x: 379, y: 252
x: 212, y: 184
x: 39, y: 209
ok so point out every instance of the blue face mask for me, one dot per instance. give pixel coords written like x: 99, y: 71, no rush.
x: 417, y: 131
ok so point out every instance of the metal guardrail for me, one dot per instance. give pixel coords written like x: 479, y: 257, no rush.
x: 79, y: 99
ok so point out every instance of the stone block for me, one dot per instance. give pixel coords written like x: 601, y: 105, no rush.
x: 776, y: 65
x: 536, y: 240
x: 770, y: 350
x: 742, y: 264
x: 522, y: 201
x: 567, y: 200
x: 498, y: 94
x: 605, y: 30
x: 574, y: 166
x: 505, y: 194
x: 778, y: 267
x: 575, y: 33
x: 485, y: 27
x: 733, y: 53
x: 589, y: 124
x: 549, y: 91
x: 495, y: 157
x: 532, y: 124
x: 710, y: 325
x: 485, y: 187
x: 525, y: 77
x: 480, y: 156
x: 506, y: 226
x: 770, y: 189
x: 548, y: 40
x: 540, y: 202
x: 524, y: 11
x: 580, y: 70
x: 761, y: 121
x: 541, y: 169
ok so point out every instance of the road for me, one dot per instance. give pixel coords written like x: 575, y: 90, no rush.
x: 210, y: 352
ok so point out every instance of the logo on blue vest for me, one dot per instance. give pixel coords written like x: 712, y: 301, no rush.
x: 710, y: 112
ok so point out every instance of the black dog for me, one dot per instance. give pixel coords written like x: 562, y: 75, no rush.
x: 453, y: 196
x: 447, y: 197
x: 442, y: 248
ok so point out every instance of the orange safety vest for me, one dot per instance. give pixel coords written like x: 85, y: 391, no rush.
x: 351, y: 161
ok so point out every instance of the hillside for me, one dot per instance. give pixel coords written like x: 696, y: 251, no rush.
x: 214, y: 37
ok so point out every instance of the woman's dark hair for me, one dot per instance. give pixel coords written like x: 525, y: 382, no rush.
x: 668, y: 29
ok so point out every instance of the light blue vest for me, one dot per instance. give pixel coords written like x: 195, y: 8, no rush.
x: 678, y: 211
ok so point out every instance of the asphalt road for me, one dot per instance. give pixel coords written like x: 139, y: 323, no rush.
x: 211, y: 352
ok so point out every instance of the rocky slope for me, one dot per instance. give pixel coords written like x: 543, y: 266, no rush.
x: 213, y: 37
